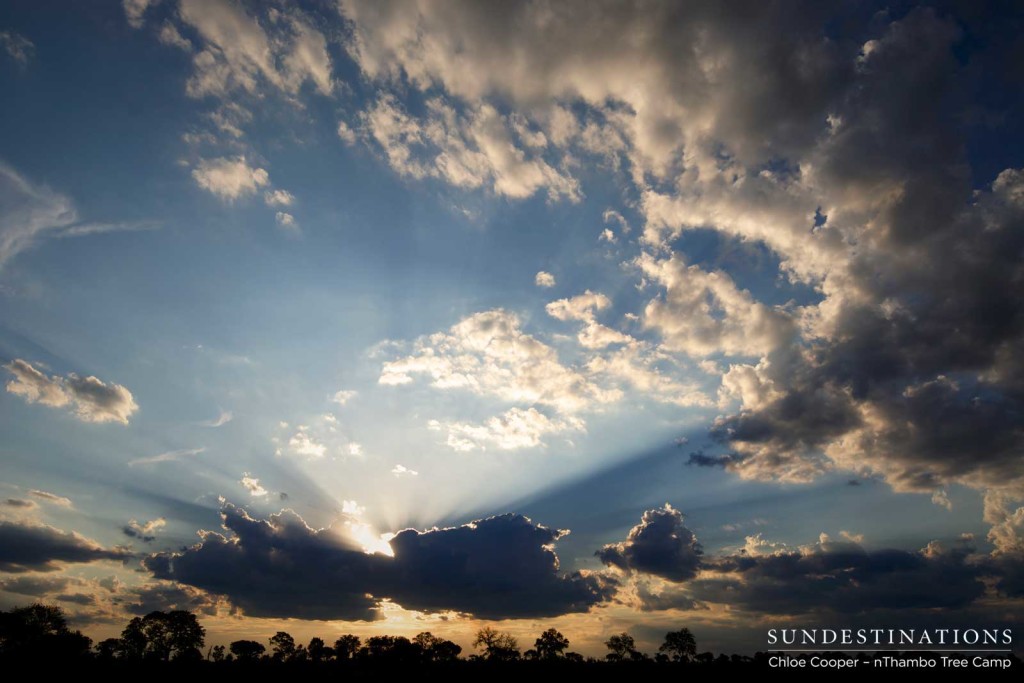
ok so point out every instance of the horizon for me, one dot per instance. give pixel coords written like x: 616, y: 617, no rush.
x: 617, y: 317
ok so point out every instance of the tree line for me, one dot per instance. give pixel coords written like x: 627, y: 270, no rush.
x: 41, y: 631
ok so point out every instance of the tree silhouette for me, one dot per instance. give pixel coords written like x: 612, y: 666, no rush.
x: 317, y: 650
x: 38, y: 632
x: 162, y: 636
x: 217, y: 653
x: 434, y: 649
x: 346, y: 646
x: 679, y: 645
x: 247, y: 650
x: 622, y: 649
x: 497, y: 646
x: 283, y: 646
x: 551, y: 644
x: 391, y: 649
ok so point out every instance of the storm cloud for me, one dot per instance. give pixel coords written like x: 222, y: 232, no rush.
x: 494, y: 568
x: 38, y: 547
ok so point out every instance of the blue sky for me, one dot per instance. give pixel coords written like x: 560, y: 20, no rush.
x: 413, y: 265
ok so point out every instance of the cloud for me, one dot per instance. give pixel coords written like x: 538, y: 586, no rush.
x: 90, y: 399
x: 660, y: 545
x: 19, y: 503
x: 278, y: 198
x: 343, y: 396
x: 221, y: 420
x: 31, y: 213
x: 847, y: 164
x: 170, y: 35
x: 51, y: 498
x: 843, y: 577
x: 145, y: 532
x: 237, y: 54
x: 500, y: 567
x: 229, y: 179
x: 704, y: 313
x: 403, y: 471
x: 253, y: 486
x: 581, y: 307
x: 488, y: 354
x: 286, y: 221
x: 168, y: 456
x: 135, y: 10
x: 470, y: 149
x: 544, y: 279
x: 515, y: 429
x: 18, y: 47
x: 38, y: 547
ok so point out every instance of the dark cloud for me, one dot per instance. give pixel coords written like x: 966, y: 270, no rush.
x: 827, y: 577
x: 660, y: 545
x: 844, y: 578
x: 165, y: 596
x: 35, y: 585
x: 280, y: 567
x: 18, y: 503
x: 37, y: 547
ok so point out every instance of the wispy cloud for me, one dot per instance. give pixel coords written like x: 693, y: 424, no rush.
x: 169, y: 456
x: 221, y: 420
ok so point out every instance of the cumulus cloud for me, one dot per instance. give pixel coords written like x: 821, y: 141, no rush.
x: 468, y: 148
x: 544, y: 279
x: 253, y: 486
x: 237, y: 54
x: 500, y: 567
x: 39, y: 547
x: 403, y: 471
x: 660, y: 545
x: 488, y: 353
x: 286, y: 222
x: 135, y: 10
x: 278, y: 198
x: 343, y: 396
x: 18, y: 47
x: 516, y: 428
x: 145, y: 532
x: 229, y: 179
x: 846, y: 163
x: 89, y: 398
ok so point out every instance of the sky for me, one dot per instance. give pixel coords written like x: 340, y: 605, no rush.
x: 384, y: 317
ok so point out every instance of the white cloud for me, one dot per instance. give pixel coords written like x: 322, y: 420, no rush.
x: 305, y: 445
x: 403, y: 471
x: 544, y: 279
x: 347, y: 135
x: 18, y: 47
x: 286, y: 221
x: 169, y: 35
x: 229, y: 179
x: 238, y: 54
x: 51, y: 498
x: 580, y: 307
x: 703, y: 313
x: 167, y: 456
x: 135, y: 10
x: 355, y: 449
x: 221, y: 420
x: 513, y: 430
x: 253, y: 486
x: 343, y: 396
x: 470, y: 150
x: 147, y: 529
x: 89, y: 398
x: 278, y: 198
x: 607, y: 236
x: 488, y: 354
